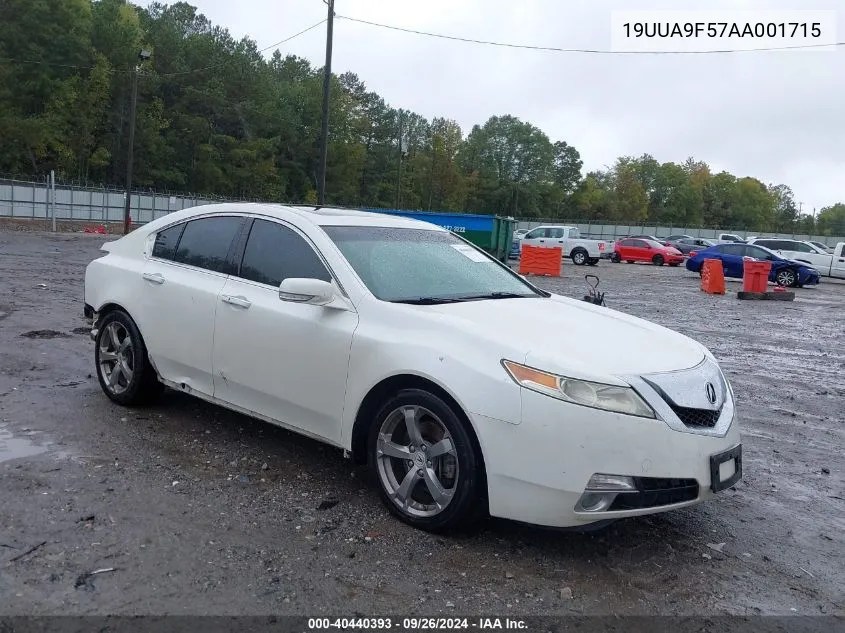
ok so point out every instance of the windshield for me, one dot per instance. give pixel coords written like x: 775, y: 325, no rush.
x: 420, y: 265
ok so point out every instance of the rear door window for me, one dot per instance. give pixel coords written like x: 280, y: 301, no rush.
x: 206, y: 242
x: 732, y: 249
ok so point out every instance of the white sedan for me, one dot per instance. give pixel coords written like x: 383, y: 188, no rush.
x: 468, y: 390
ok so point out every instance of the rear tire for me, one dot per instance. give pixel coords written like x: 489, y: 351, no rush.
x: 579, y: 256
x: 615, y: 258
x: 435, y: 494
x: 658, y: 260
x: 629, y: 261
x: 120, y: 359
x: 592, y: 261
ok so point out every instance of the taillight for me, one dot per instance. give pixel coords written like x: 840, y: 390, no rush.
x: 692, y: 253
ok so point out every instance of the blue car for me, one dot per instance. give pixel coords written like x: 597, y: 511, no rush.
x: 785, y: 272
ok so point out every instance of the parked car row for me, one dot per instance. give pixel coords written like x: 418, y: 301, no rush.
x: 673, y: 250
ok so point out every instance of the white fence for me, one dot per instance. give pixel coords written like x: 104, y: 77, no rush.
x: 21, y: 199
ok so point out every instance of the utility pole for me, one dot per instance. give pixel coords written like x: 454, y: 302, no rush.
x: 143, y: 56
x: 399, y: 169
x: 327, y: 79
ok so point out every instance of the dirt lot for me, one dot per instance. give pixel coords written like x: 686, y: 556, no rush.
x: 202, y: 511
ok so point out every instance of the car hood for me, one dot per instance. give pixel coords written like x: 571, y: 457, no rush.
x: 802, y: 264
x: 574, y: 337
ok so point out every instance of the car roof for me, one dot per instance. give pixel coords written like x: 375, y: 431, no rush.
x: 318, y: 216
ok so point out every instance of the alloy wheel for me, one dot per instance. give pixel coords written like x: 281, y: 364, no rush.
x: 786, y: 278
x: 116, y: 357
x: 417, y: 461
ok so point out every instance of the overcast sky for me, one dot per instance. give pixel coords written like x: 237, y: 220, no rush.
x: 778, y: 116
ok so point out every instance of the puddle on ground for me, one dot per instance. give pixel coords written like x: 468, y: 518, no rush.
x: 16, y: 447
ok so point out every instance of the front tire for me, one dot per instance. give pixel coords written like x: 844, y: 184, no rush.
x: 615, y: 258
x: 658, y: 260
x: 788, y: 277
x: 424, y: 462
x: 120, y: 358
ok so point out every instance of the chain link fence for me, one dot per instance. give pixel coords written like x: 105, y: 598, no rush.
x: 22, y: 199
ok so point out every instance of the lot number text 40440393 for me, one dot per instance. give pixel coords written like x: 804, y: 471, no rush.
x: 417, y: 624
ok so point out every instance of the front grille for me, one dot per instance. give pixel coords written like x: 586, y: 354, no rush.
x: 699, y: 418
x: 654, y: 491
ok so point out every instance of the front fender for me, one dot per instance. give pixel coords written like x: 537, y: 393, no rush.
x: 469, y: 371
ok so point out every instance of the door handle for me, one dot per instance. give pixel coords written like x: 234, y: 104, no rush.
x: 155, y: 278
x: 241, y: 302
x: 542, y: 240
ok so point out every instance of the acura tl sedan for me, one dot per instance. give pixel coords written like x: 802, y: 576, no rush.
x: 467, y: 390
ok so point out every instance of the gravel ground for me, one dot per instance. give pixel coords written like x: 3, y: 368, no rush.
x: 196, y: 510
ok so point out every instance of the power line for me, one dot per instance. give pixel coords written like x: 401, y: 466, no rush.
x: 287, y: 39
x: 555, y: 49
x: 174, y: 74
x: 43, y: 63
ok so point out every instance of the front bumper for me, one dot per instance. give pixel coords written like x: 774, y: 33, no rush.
x: 539, y: 469
x: 808, y: 279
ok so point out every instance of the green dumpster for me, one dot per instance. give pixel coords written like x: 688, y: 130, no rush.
x: 492, y: 233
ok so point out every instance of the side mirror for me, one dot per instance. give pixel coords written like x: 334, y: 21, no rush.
x: 311, y: 291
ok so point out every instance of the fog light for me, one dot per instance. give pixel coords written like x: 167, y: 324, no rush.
x: 600, y: 481
x: 595, y: 501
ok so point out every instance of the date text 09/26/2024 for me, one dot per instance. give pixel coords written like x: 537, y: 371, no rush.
x: 415, y: 624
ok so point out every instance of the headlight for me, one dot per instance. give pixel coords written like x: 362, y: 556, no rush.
x: 585, y: 393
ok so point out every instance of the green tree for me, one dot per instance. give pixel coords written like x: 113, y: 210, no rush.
x: 831, y: 220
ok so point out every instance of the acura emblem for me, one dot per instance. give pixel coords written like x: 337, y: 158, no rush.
x: 711, y: 392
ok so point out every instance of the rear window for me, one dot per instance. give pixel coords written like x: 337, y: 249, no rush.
x: 166, y: 241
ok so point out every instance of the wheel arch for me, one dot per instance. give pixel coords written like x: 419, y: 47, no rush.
x: 113, y: 306
x: 110, y: 306
x: 377, y: 395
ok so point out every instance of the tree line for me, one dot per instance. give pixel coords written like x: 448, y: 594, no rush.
x: 215, y: 117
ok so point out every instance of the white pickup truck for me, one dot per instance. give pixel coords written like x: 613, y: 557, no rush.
x: 828, y: 265
x: 568, y: 238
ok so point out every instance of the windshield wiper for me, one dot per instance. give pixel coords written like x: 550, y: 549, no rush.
x: 427, y: 301
x: 496, y: 295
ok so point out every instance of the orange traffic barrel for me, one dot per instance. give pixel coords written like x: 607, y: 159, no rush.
x: 755, y: 275
x: 713, y: 277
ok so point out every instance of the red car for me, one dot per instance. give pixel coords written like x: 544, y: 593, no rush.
x: 636, y: 250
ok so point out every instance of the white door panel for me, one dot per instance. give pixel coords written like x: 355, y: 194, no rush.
x: 284, y: 360
x: 176, y: 318
x: 838, y: 266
